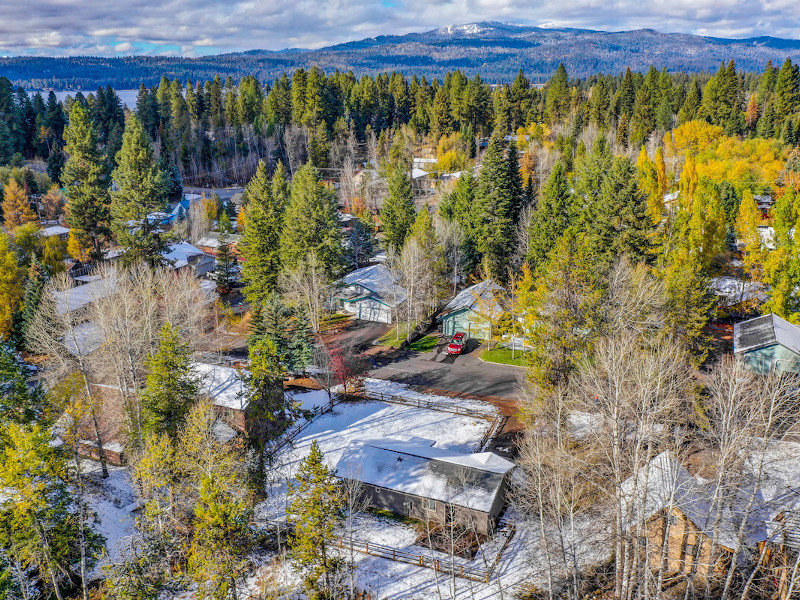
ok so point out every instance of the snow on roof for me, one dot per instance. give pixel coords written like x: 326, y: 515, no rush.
x: 418, y: 173
x: 182, y: 253
x: 479, y: 297
x: 765, y: 331
x: 379, y: 281
x: 415, y: 467
x: 734, y: 290
x: 85, y: 294
x: 88, y: 338
x: 223, y: 432
x: 54, y: 230
x: 222, y: 385
x: 211, y: 239
x: 666, y: 484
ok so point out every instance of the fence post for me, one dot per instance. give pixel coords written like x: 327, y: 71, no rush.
x: 367, y: 547
x: 419, y: 559
x: 394, y: 554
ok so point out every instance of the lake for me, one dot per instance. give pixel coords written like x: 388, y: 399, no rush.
x: 128, y: 97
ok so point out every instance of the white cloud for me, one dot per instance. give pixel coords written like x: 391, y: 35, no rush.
x: 67, y: 27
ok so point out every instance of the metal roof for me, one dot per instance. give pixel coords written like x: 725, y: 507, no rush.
x: 765, y: 331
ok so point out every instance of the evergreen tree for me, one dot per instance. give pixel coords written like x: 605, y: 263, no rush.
x: 515, y: 181
x: 494, y: 208
x: 221, y: 540
x: 34, y: 287
x: 261, y: 241
x: 85, y: 181
x: 19, y: 403
x: 287, y: 328
x: 42, y: 528
x: 558, y: 95
x: 397, y: 211
x: 315, y: 509
x: 552, y: 217
x: 10, y: 286
x: 16, y: 206
x: 140, y: 188
x: 267, y: 412
x: 311, y: 224
x: 171, y: 387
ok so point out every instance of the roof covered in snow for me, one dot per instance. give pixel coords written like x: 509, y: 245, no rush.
x: 765, y: 331
x: 82, y: 295
x: 665, y: 484
x: 733, y: 290
x: 182, y: 254
x: 221, y: 384
x: 211, y: 239
x: 54, y: 230
x: 415, y: 467
x: 480, y: 298
x: 378, y: 280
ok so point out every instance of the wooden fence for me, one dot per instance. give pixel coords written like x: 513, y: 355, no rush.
x: 494, y: 430
x: 452, y: 408
x: 443, y: 566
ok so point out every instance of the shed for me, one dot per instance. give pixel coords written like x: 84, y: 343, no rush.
x: 58, y: 231
x: 413, y: 478
x: 371, y: 294
x: 767, y: 343
x: 473, y: 310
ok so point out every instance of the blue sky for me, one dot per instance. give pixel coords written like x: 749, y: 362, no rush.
x: 197, y: 27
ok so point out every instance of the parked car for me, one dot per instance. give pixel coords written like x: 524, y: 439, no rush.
x: 457, y: 344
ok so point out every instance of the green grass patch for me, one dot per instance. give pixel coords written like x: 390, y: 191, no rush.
x: 424, y: 344
x: 333, y: 321
x: 503, y: 357
x: 392, y: 338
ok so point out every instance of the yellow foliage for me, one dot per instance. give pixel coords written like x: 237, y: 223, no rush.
x: 747, y: 223
x: 10, y: 286
x: 75, y: 250
x: 694, y: 137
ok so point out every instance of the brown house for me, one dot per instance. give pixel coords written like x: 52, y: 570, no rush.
x: 412, y: 478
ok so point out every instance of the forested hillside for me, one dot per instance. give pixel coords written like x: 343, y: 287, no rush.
x: 494, y: 51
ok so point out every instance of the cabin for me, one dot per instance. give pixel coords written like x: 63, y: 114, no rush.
x: 223, y: 386
x: 210, y: 243
x: 473, y: 310
x: 371, y: 294
x: 58, y: 231
x: 768, y: 343
x: 412, y: 478
x: 676, y: 510
x: 184, y: 256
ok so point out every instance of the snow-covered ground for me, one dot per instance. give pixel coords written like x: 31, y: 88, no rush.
x: 112, y: 499
x: 392, y: 388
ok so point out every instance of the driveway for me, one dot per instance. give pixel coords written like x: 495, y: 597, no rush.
x: 466, y: 374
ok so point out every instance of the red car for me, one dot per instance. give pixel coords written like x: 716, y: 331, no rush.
x: 457, y: 344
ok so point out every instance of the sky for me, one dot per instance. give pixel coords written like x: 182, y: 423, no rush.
x: 199, y: 27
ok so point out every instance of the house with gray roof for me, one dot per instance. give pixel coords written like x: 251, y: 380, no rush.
x: 371, y: 294
x: 768, y: 343
x: 473, y: 310
x: 413, y: 478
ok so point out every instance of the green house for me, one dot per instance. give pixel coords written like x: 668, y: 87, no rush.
x: 473, y: 310
x: 768, y: 343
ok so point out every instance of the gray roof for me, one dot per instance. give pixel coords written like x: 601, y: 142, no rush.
x: 415, y: 467
x: 480, y: 297
x: 765, y: 331
x: 380, y: 283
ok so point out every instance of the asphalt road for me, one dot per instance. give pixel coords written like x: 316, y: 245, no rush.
x: 466, y: 374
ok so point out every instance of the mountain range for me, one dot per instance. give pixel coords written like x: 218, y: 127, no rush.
x: 494, y: 50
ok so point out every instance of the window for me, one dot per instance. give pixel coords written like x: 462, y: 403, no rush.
x: 642, y: 541
x: 430, y: 504
x: 673, y: 519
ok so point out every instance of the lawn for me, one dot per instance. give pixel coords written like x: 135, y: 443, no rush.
x: 503, y: 356
x: 423, y: 344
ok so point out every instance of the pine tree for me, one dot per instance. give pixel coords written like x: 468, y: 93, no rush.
x: 267, y: 412
x: 397, y: 211
x: 493, y: 209
x: 140, y: 188
x: 34, y: 287
x: 315, y: 509
x: 558, y: 95
x: 85, y: 180
x: 42, y: 528
x: 10, y: 286
x: 19, y: 403
x: 225, y: 267
x: 221, y: 540
x: 287, y: 328
x: 552, y: 217
x: 515, y: 181
x: 16, y: 206
x: 262, y: 233
x: 171, y: 387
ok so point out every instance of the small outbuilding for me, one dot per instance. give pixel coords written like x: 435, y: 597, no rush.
x: 768, y: 343
x: 473, y: 310
x: 412, y: 478
x: 371, y: 294
x: 185, y: 256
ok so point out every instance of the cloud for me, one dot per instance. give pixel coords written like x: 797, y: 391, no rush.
x: 195, y: 27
